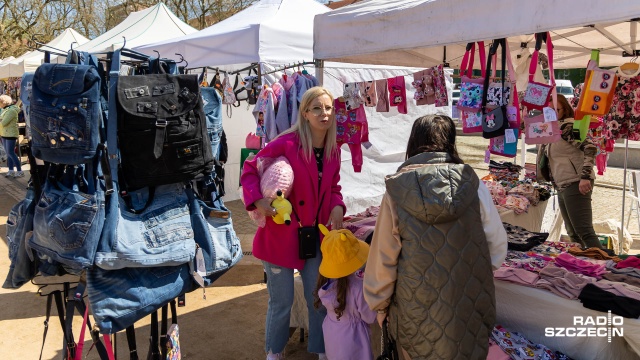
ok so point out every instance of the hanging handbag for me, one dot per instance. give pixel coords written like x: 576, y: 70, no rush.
x: 599, y: 88
x: 389, y: 349
x: 471, y: 121
x: 537, y: 94
x: 471, y: 90
x: 440, y: 86
x: 499, y: 145
x: 495, y: 121
x: 537, y: 131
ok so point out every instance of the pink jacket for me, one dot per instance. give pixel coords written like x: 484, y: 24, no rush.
x: 278, y: 244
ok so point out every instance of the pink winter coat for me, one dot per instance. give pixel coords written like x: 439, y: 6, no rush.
x: 278, y: 244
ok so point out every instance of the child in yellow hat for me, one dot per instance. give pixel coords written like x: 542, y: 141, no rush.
x: 339, y: 289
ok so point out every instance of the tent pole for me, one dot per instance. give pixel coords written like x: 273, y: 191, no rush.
x: 319, y: 65
x: 624, y: 195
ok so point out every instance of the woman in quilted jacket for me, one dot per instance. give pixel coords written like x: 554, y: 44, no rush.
x: 437, y: 239
x: 570, y: 167
x: 9, y: 134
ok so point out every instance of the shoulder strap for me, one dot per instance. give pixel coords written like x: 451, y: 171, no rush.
x: 131, y: 340
x: 154, y: 351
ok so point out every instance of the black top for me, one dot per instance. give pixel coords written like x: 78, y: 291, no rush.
x: 319, y: 153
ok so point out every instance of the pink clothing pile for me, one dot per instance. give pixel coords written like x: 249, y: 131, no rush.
x: 620, y: 289
x: 516, y: 275
x: 554, y: 248
x: 584, y: 267
x: 631, y: 261
x: 528, y: 261
x: 562, y: 282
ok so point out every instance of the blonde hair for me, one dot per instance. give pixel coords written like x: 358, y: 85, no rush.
x: 303, y: 129
x: 5, y: 100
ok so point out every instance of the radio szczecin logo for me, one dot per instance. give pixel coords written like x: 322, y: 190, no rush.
x: 590, y: 326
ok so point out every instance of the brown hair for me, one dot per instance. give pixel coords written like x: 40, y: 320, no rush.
x: 567, y: 109
x: 433, y: 133
x: 341, y: 296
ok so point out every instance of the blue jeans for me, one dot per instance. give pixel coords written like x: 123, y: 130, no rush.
x: 19, y: 228
x: 161, y: 235
x: 12, y: 159
x: 119, y: 298
x: 280, y: 287
x: 213, y: 111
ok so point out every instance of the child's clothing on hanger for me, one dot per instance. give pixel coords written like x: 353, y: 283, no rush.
x: 351, y: 96
x: 368, y: 93
x: 265, y: 115
x: 397, y: 93
x: 382, y: 93
x: 287, y: 114
x: 353, y: 130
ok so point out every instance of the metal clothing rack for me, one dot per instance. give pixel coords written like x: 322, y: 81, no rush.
x: 289, y: 66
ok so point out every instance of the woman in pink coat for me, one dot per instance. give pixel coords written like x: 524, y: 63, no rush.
x: 310, y: 146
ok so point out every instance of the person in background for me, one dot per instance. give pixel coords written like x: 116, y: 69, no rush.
x: 570, y: 166
x: 437, y: 240
x: 310, y: 147
x: 9, y: 134
x: 346, y: 327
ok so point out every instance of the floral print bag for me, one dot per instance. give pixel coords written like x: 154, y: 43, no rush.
x: 538, y: 94
x: 471, y: 89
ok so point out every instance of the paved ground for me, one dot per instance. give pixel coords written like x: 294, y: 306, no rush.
x: 229, y: 324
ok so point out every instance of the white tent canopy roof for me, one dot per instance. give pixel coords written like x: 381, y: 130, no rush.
x: 415, y: 32
x: 30, y: 60
x: 141, y: 27
x: 269, y: 31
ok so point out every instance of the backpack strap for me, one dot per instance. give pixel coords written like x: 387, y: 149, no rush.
x: 154, y: 351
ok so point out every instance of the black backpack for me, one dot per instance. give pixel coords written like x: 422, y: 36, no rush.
x: 162, y: 131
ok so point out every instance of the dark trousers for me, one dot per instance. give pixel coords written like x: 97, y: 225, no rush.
x: 578, y: 215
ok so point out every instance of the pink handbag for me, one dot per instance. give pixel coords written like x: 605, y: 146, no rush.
x: 471, y: 89
x: 253, y: 141
x: 471, y: 121
x: 538, y: 94
x: 539, y: 132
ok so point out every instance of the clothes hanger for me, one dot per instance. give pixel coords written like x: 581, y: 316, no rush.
x: 630, y: 66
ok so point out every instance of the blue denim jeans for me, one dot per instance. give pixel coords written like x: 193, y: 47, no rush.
x: 215, y: 237
x: 280, y: 287
x: 213, y: 111
x: 12, y: 159
x: 161, y: 235
x: 19, y: 229
x: 66, y: 116
x: 119, y: 298
x: 67, y: 224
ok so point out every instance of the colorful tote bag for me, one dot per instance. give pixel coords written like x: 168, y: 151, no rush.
x: 471, y: 90
x: 499, y: 145
x: 537, y: 131
x: 440, y: 85
x: 599, y: 88
x: 538, y: 94
x: 471, y: 121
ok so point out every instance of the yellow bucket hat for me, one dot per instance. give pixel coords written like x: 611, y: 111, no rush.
x: 342, y: 253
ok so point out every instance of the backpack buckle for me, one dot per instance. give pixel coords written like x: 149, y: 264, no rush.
x: 161, y: 123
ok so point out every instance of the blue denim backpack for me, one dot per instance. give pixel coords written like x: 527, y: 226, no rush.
x: 66, y: 113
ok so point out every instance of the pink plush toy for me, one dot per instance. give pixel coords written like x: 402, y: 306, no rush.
x: 275, y: 174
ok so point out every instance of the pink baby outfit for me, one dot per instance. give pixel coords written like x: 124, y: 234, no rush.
x: 516, y: 275
x: 397, y: 93
x: 353, y: 130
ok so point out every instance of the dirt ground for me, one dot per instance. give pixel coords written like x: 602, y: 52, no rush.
x: 229, y: 324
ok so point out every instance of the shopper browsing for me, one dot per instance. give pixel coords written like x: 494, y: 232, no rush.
x: 339, y: 289
x: 310, y: 147
x: 570, y: 165
x: 437, y: 239
x: 9, y: 134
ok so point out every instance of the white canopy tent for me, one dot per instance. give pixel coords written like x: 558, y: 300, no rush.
x: 415, y: 32
x: 270, y: 31
x: 141, y: 27
x: 30, y: 60
x: 274, y: 33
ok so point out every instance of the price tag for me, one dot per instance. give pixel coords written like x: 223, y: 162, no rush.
x: 200, y: 267
x: 549, y: 114
x: 509, y: 136
x: 487, y: 156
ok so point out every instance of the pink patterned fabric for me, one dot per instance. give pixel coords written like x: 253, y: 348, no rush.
x: 584, y: 267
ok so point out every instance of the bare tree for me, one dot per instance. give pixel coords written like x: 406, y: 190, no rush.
x: 20, y: 20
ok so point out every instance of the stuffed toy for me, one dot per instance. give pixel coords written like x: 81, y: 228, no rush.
x: 283, y: 209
